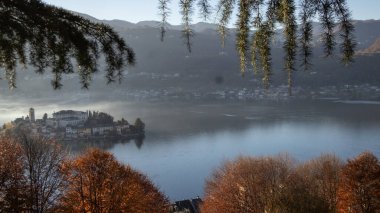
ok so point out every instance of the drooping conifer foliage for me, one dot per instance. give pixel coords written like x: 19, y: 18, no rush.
x: 258, y: 20
x: 47, y: 37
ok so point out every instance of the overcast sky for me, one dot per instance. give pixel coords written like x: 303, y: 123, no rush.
x: 142, y: 10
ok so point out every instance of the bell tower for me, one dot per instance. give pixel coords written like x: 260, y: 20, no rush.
x: 31, y: 115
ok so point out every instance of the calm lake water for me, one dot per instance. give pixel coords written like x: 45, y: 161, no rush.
x: 185, y: 142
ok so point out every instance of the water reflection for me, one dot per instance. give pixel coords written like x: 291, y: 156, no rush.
x: 180, y: 164
x: 106, y: 144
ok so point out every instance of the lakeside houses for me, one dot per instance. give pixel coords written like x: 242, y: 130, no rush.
x: 70, y: 124
x: 186, y: 206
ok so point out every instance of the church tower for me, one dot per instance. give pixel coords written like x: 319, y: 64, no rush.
x: 31, y: 115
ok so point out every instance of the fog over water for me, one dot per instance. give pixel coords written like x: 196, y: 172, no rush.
x: 185, y: 141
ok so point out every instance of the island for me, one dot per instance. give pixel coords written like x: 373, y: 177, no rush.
x: 71, y: 125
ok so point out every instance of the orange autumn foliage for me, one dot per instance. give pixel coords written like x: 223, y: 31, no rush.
x: 98, y: 183
x: 12, y: 177
x: 359, y: 187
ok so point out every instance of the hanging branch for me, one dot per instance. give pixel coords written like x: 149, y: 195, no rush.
x: 45, y: 36
x: 224, y: 11
x: 330, y: 13
x: 306, y: 15
x: 255, y: 41
x: 205, y: 9
x: 264, y: 36
x: 187, y: 11
x: 164, y: 12
x: 346, y: 28
x: 243, y: 32
x: 326, y: 14
x: 290, y: 45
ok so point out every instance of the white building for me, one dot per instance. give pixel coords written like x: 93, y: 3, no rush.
x: 70, y: 122
x: 102, y: 130
x: 52, y: 122
x: 71, y: 131
x: 121, y: 128
x: 70, y: 117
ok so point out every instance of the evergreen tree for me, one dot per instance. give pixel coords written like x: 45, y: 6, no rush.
x: 42, y: 35
x: 264, y: 16
x: 44, y: 118
x: 139, y: 125
x: 32, y: 32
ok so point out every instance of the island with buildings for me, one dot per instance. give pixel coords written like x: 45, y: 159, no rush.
x: 77, y: 125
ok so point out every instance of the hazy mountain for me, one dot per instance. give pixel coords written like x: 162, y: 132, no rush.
x: 373, y: 49
x: 168, y: 65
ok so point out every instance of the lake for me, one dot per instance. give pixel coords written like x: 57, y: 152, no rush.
x: 185, y: 142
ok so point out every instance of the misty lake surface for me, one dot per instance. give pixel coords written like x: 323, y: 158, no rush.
x: 185, y: 142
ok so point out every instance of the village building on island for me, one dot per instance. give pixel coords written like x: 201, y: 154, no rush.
x: 70, y: 124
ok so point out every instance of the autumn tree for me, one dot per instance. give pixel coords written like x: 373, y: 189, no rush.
x: 322, y: 178
x: 272, y: 184
x: 44, y: 181
x: 248, y: 184
x: 359, y: 188
x: 30, y: 177
x: 98, y: 183
x: 12, y: 180
x: 257, y: 22
x: 296, y: 196
x: 48, y: 38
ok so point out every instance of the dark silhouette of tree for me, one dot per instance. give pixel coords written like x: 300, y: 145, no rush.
x: 264, y: 16
x: 32, y: 32
x: 359, y: 187
x: 98, y: 183
x: 44, y: 181
x: 99, y: 118
x: 123, y: 122
x: 45, y: 117
x: 139, y: 125
x: 30, y: 174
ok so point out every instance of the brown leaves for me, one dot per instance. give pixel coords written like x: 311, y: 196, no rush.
x: 11, y: 175
x: 247, y: 185
x: 30, y: 177
x: 36, y: 176
x: 98, y: 183
x: 276, y: 184
x: 359, y: 188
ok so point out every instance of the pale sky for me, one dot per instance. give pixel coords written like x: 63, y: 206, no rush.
x: 142, y: 10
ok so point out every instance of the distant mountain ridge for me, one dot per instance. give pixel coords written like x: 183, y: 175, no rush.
x: 169, y: 67
x: 373, y: 49
x: 362, y: 26
x: 121, y: 24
